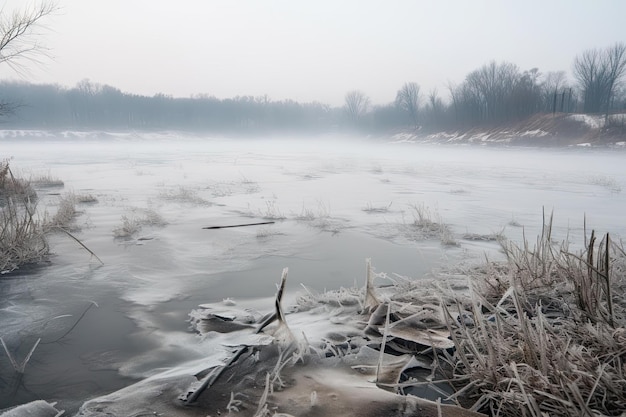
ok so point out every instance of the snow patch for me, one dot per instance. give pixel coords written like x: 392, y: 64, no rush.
x: 534, y: 133
x: 593, y: 121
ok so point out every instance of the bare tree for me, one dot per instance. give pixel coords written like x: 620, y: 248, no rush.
x: 526, y: 97
x: 357, y: 104
x: 590, y: 76
x: 434, y: 110
x: 496, y: 93
x: 19, y: 40
x: 18, y: 36
x: 616, y: 63
x: 407, y: 99
x: 553, y: 84
x: 599, y: 73
x: 433, y: 99
x: 554, y: 81
x: 490, y: 85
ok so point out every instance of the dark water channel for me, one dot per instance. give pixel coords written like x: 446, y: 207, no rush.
x: 88, y: 331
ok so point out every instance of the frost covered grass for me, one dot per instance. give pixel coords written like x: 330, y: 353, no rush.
x: 184, y: 195
x: 543, y: 333
x: 23, y: 230
x: 483, y: 237
x: 46, y: 181
x: 370, y: 208
x: 272, y: 212
x: 229, y: 188
x: 12, y: 187
x: 22, y: 233
x: 66, y: 212
x: 320, y: 218
x: 85, y: 199
x: 132, y: 224
x: 429, y: 225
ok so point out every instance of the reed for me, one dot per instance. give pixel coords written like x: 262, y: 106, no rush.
x: 428, y: 224
x: 132, y: 224
x: 22, y: 235
x: 19, y: 367
x: 23, y: 231
x: 546, y: 332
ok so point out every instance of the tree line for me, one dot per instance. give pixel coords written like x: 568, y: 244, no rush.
x: 494, y: 94
x: 500, y: 93
x: 90, y: 105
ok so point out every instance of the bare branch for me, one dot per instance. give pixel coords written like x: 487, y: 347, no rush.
x: 19, y: 37
x: 357, y: 104
x: 408, y: 98
x: 599, y: 73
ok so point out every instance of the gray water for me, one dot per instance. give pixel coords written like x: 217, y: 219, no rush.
x: 334, y: 203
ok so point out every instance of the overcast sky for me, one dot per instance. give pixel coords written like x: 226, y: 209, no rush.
x: 313, y: 50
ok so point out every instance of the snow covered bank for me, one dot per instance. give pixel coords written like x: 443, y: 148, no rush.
x: 539, y: 130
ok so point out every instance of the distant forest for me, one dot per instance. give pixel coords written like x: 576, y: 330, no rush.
x: 494, y: 94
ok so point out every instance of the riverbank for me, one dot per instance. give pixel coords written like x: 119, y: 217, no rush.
x: 541, y: 130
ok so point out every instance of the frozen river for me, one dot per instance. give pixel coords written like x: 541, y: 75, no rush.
x: 334, y: 204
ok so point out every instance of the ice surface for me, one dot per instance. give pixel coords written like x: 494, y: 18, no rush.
x: 334, y: 204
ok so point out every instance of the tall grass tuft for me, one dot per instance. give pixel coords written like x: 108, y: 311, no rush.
x: 546, y: 332
x: 23, y: 232
x: 22, y: 239
x: 430, y: 225
x: 66, y: 212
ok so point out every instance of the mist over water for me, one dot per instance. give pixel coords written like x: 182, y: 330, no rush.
x: 334, y: 203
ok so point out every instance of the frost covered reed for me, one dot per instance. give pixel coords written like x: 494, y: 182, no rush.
x: 429, y: 224
x: 22, y: 239
x: 23, y: 231
x: 543, y: 334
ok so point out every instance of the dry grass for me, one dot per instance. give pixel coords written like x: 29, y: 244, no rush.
x: 23, y: 231
x: 85, y: 198
x: 429, y: 225
x: 370, y: 208
x: 184, y: 195
x: 65, y: 214
x: 544, y: 333
x: 320, y: 218
x: 131, y: 225
x: 272, y: 212
x: 22, y: 234
x: 12, y: 187
x: 46, y: 181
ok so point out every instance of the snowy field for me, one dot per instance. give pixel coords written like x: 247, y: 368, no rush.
x: 333, y: 202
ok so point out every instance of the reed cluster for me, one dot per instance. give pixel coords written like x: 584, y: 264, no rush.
x: 22, y: 237
x: 23, y: 229
x: 544, y: 333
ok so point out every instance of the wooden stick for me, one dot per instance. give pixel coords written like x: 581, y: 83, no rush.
x: 237, y: 225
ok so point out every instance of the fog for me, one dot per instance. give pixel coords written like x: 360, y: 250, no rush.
x: 307, y: 51
x: 333, y: 202
x: 196, y: 152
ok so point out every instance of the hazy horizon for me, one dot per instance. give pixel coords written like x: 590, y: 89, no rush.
x: 314, y: 51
